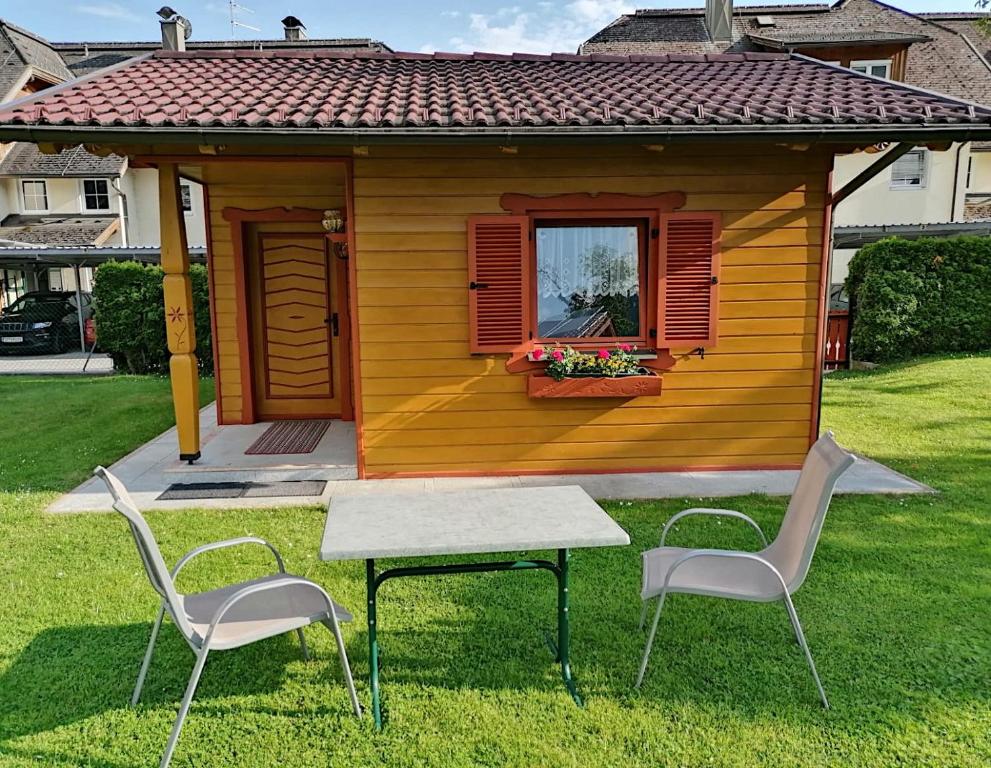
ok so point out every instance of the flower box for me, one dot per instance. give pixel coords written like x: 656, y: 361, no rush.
x: 636, y: 385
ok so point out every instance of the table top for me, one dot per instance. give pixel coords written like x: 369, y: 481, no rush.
x: 466, y: 522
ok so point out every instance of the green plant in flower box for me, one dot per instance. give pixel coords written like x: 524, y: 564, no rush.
x: 569, y: 362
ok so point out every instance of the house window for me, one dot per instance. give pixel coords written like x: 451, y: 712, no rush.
x: 186, y: 195
x: 879, y: 68
x: 96, y: 195
x: 909, y: 170
x: 970, y: 171
x: 35, y: 194
x: 590, y: 279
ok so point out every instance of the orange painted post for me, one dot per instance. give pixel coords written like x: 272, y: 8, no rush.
x: 180, y: 329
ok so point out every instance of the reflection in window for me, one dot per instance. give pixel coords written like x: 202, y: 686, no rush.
x: 588, y: 281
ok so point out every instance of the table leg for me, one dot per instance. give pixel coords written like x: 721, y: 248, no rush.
x: 373, y: 645
x: 564, y: 625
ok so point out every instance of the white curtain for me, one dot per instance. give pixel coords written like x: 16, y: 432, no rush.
x: 593, y: 260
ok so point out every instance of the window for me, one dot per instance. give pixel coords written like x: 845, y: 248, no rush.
x: 186, y: 195
x: 970, y: 171
x: 909, y: 170
x: 879, y: 68
x: 96, y: 195
x: 35, y: 194
x: 590, y: 279
x: 559, y: 270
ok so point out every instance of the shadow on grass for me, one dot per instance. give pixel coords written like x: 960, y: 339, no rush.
x: 67, y: 674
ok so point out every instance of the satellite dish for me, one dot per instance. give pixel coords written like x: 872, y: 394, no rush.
x: 187, y: 27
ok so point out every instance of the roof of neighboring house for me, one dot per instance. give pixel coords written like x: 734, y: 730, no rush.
x: 787, y: 40
x: 862, y: 234
x: 53, y: 229
x: 25, y: 159
x: 21, y: 50
x: 358, y: 96
x: 951, y: 61
x: 85, y: 57
x: 977, y: 207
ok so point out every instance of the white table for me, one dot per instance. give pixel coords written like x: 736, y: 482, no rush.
x: 466, y: 523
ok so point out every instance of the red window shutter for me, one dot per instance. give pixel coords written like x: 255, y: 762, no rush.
x: 499, y: 282
x: 688, y: 298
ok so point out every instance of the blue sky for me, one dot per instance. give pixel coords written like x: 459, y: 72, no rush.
x: 427, y: 25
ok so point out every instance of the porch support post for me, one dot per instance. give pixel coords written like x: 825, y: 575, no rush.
x: 180, y: 329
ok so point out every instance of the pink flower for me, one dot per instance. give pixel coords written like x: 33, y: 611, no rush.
x: 538, y: 353
x: 603, y: 354
x: 558, y: 355
x: 625, y: 348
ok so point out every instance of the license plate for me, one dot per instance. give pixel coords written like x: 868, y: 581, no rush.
x: 11, y: 339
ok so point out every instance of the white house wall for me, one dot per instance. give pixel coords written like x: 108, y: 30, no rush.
x: 141, y: 187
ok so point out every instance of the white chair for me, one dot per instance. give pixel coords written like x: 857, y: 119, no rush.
x: 774, y: 573
x: 231, y: 616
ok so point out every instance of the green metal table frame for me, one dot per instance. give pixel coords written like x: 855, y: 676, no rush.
x: 561, y: 648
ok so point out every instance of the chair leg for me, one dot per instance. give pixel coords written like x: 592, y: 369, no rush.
x: 650, y: 639
x: 643, y: 614
x: 194, y: 678
x: 148, y: 654
x: 800, y: 636
x: 302, y: 644
x: 332, y: 625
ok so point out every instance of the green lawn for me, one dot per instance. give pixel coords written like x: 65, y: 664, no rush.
x: 897, y: 610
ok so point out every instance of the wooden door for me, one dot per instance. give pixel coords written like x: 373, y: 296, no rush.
x: 295, y: 321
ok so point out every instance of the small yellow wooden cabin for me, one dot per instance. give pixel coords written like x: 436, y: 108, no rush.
x: 402, y: 240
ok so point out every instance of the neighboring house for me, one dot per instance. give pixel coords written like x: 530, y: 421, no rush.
x: 75, y: 199
x: 392, y: 246
x: 939, y: 52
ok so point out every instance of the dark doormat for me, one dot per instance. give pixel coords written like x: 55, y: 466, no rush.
x: 283, y: 437
x: 192, y: 491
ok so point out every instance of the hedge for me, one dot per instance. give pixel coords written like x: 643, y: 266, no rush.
x: 917, y: 297
x: 130, y: 316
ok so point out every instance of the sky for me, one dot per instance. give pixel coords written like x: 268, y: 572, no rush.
x: 533, y: 26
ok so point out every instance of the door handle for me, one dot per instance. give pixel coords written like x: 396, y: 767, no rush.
x: 334, y: 324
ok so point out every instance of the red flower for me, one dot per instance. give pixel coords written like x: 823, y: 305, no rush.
x: 558, y: 355
x: 625, y: 348
x: 538, y: 353
x: 603, y: 354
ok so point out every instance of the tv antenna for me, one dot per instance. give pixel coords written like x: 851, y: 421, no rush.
x: 236, y: 23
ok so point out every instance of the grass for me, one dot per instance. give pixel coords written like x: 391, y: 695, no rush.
x: 896, y: 610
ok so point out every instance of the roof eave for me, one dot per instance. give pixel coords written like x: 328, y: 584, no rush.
x: 348, y: 137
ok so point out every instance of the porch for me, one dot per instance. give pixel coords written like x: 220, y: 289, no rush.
x: 153, y: 468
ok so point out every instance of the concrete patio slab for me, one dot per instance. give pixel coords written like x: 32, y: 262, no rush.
x: 149, y: 470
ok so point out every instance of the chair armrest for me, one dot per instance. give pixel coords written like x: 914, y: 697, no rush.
x: 223, y: 545
x: 725, y: 554
x: 254, y: 589
x: 713, y: 513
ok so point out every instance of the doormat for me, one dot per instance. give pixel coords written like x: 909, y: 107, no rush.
x: 289, y: 437
x: 192, y: 491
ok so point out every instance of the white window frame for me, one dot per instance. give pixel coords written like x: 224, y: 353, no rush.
x: 924, y: 178
x: 869, y: 63
x: 82, y: 197
x: 24, y: 197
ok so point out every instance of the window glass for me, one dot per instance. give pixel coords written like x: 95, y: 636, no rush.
x: 35, y: 195
x: 186, y: 195
x: 588, y: 280
x: 909, y: 170
x: 96, y: 195
x: 875, y: 68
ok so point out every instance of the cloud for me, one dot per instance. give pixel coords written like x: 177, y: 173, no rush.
x: 111, y: 11
x: 558, y: 28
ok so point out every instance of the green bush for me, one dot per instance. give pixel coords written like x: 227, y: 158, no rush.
x: 918, y: 297
x: 130, y: 316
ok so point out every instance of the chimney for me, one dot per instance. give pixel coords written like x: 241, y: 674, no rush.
x: 295, y: 29
x: 719, y: 19
x: 175, y: 29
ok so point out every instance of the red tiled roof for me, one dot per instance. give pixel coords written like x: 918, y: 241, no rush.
x: 317, y: 91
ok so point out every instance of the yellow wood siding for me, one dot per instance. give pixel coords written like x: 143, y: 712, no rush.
x: 431, y: 407
x: 254, y: 185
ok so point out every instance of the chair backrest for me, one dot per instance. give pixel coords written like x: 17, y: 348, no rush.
x: 791, y: 552
x: 148, y: 551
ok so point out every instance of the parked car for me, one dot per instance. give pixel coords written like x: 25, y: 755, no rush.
x: 43, y: 322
